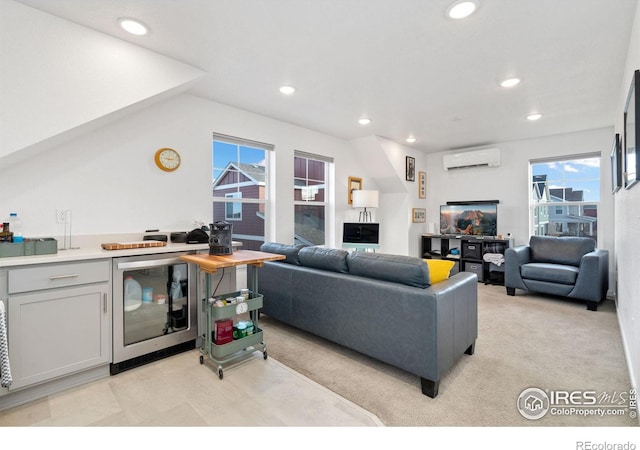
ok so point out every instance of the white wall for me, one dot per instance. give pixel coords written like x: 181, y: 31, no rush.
x: 627, y: 222
x: 385, y: 162
x: 109, y: 181
x: 405, y: 235
x: 510, y: 183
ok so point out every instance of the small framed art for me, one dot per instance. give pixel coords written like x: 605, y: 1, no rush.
x: 422, y: 184
x: 355, y: 184
x: 419, y: 215
x: 410, y: 169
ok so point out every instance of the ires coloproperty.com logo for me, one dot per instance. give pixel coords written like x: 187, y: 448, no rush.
x: 534, y: 403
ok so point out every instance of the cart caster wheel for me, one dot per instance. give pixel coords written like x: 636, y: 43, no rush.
x: 201, y: 359
x: 220, y: 374
x: 264, y: 355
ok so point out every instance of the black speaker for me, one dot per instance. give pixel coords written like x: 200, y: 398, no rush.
x: 220, y: 238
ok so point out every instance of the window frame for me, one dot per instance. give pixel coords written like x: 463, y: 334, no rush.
x: 233, y: 205
x: 563, y: 205
x: 326, y: 203
x: 264, y: 204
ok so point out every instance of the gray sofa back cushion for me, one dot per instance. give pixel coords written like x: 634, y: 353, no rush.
x: 399, y: 269
x: 560, y: 250
x: 290, y: 251
x: 333, y: 259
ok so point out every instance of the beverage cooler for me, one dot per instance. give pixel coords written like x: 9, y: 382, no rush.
x: 154, y: 308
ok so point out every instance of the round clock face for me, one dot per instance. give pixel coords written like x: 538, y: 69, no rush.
x: 167, y: 159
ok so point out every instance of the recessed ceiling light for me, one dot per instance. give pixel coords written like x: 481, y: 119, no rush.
x: 364, y: 121
x: 534, y: 116
x: 411, y: 139
x: 287, y: 90
x: 133, y: 26
x: 510, y: 82
x: 462, y: 9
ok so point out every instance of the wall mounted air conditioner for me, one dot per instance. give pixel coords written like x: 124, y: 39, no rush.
x: 488, y: 157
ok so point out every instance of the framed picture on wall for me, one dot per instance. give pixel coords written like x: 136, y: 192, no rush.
x: 410, y: 169
x: 355, y: 184
x: 616, y: 164
x: 419, y: 215
x: 631, y: 129
x: 422, y: 184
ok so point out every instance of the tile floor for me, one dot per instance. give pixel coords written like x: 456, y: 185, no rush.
x: 180, y: 392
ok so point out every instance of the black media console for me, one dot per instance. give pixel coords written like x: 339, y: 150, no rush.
x: 469, y: 252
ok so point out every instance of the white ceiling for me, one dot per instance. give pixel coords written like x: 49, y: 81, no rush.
x: 400, y: 62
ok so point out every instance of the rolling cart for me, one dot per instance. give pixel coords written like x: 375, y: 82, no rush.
x: 245, y: 346
x: 239, y: 348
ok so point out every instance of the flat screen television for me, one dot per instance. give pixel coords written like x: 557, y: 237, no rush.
x: 360, y: 233
x: 469, y: 219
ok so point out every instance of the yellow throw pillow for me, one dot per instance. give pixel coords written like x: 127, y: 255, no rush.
x: 439, y: 269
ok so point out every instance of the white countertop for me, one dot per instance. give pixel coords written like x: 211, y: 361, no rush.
x: 90, y: 247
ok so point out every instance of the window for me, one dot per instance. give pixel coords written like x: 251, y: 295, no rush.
x: 234, y: 209
x: 311, y: 173
x: 564, y: 197
x: 240, y: 187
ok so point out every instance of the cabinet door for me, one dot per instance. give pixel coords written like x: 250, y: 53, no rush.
x: 57, y: 332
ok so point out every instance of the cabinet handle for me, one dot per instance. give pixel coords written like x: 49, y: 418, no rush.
x: 104, y: 302
x: 59, y: 277
x: 150, y: 263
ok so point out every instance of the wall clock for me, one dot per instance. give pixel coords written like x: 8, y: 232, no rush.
x: 167, y: 159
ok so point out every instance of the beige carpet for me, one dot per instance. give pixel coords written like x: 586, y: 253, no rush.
x: 523, y: 341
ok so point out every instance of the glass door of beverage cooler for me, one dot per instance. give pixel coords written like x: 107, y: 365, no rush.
x: 154, y: 304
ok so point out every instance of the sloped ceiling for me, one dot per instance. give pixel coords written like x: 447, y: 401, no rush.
x: 59, y: 79
x: 402, y: 63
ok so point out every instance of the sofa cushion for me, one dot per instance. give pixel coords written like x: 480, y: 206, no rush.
x: 333, y: 259
x: 290, y: 251
x: 553, y: 273
x: 560, y: 250
x: 399, y: 269
x: 439, y: 269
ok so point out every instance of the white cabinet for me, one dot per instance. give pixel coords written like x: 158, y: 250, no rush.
x: 59, y: 320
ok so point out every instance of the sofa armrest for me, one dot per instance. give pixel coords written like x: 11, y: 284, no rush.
x: 456, y: 326
x: 514, y: 257
x: 593, y: 279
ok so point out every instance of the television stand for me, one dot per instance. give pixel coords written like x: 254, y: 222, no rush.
x: 468, y: 254
x: 361, y: 247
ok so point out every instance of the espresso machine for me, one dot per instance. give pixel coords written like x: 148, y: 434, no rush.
x: 220, y: 238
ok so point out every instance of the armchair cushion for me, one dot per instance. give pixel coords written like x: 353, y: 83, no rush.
x: 554, y: 273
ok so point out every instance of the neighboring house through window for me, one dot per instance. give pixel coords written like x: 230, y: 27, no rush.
x: 310, y: 191
x: 240, y: 187
x: 565, y: 195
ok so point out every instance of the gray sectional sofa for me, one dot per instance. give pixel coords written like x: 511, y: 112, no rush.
x: 383, y: 306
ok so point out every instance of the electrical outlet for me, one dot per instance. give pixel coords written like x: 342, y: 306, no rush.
x: 60, y: 215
